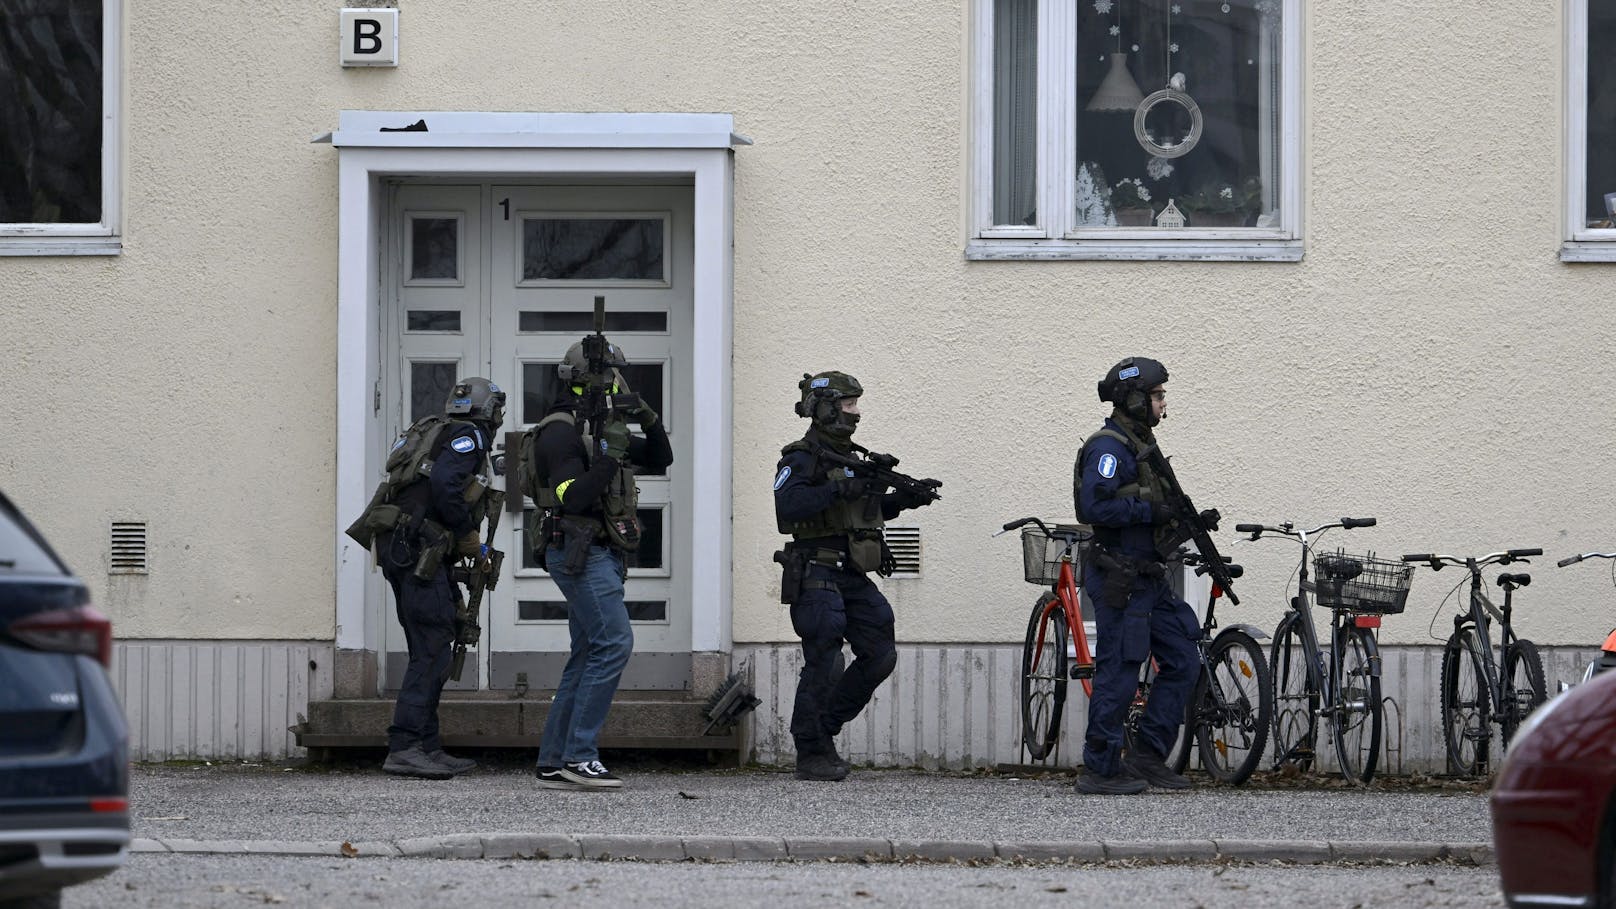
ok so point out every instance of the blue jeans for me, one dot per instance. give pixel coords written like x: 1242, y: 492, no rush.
x: 1155, y: 623
x: 601, y: 643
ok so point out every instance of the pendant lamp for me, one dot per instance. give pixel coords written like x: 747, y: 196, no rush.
x: 1117, y: 91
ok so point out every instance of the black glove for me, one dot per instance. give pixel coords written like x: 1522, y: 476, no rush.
x: 851, y: 487
x: 909, y: 498
x: 1210, y: 518
x: 1161, y: 513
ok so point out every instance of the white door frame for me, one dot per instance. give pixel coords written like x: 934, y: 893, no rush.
x: 517, y: 145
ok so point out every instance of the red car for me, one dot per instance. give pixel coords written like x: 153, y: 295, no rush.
x: 1554, y: 821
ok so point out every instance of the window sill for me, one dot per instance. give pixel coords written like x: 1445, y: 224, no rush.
x: 61, y: 246
x: 1135, y: 250
x: 1588, y: 251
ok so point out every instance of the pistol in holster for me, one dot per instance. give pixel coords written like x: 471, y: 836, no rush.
x: 434, y: 542
x: 793, y: 565
x: 577, y: 535
x: 1120, y: 574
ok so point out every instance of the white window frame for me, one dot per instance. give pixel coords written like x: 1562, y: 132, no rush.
x: 1053, y: 237
x: 101, y: 238
x: 1582, y: 244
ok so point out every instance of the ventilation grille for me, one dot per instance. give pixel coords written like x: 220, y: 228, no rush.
x: 905, y: 545
x: 128, y: 547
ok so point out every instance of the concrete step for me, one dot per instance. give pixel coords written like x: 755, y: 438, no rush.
x: 655, y: 722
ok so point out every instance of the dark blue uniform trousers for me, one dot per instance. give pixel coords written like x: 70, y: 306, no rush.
x: 1154, y: 623
x: 854, y: 611
x: 426, y: 610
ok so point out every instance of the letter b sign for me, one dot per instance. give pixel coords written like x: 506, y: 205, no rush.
x: 369, y: 37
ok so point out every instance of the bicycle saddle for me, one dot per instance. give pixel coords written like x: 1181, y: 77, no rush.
x: 1514, y: 580
x: 1338, y: 568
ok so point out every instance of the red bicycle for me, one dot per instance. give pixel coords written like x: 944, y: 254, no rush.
x: 1056, y: 648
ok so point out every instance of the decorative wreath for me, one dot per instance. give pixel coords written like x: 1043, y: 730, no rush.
x: 1183, y: 100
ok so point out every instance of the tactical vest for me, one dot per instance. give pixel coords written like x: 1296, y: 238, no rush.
x: 1146, y: 485
x: 619, y: 520
x: 409, y: 462
x: 859, y: 520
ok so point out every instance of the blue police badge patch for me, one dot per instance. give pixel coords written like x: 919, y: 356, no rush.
x: 463, y: 444
x: 1131, y: 372
x: 821, y: 382
x: 1108, y: 465
x: 400, y: 443
x: 781, y: 478
x: 847, y: 470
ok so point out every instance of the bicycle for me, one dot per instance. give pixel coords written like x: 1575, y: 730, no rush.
x: 1471, y: 681
x: 1340, y: 683
x: 1229, y: 709
x: 1607, y: 650
x: 1056, y: 652
x: 1050, y: 657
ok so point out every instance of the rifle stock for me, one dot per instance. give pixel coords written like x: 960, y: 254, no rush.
x: 1200, y: 533
x: 479, y: 575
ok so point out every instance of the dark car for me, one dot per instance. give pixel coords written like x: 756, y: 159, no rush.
x: 1554, y: 824
x: 64, y: 747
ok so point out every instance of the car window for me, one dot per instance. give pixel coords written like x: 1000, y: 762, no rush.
x: 20, y: 551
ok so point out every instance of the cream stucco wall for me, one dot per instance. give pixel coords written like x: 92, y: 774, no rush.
x: 1429, y: 362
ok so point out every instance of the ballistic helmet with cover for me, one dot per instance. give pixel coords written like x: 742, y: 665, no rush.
x: 574, y: 367
x: 479, y: 400
x: 1128, y: 386
x: 822, y: 396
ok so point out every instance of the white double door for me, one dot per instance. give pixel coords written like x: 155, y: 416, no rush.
x: 499, y: 280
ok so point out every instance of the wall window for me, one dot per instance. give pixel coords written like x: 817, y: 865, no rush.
x: 58, y: 126
x: 1591, y: 176
x: 1136, y: 129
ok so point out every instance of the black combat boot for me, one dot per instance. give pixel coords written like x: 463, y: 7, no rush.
x: 1143, y: 762
x: 1091, y: 783
x: 817, y: 764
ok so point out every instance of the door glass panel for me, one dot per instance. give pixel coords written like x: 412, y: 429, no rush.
x: 430, y: 384
x: 592, y: 249
x: 648, y: 556
x: 434, y: 249
x: 556, y: 610
x: 584, y: 322
x: 1601, y: 201
x: 539, y: 387
x: 434, y: 320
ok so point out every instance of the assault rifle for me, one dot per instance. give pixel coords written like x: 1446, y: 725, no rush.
x: 598, y: 400
x: 479, y: 573
x: 1189, y: 519
x: 878, y: 467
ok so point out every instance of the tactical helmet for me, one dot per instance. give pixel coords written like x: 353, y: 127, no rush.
x: 1128, y: 386
x: 822, y: 396
x: 574, y: 367
x: 477, y: 399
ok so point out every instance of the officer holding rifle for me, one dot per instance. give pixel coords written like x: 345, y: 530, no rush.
x: 832, y: 497
x: 1126, y: 491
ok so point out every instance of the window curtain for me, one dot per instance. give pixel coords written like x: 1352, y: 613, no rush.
x: 1015, y: 112
x: 50, y: 111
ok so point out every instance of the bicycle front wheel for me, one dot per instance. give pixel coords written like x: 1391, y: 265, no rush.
x: 1043, y: 677
x: 1231, y: 708
x: 1524, y: 669
x: 1465, y: 701
x: 1358, y: 714
x: 1295, y: 702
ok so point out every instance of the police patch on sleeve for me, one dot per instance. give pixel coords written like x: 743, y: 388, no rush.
x: 781, y: 478
x: 1108, y: 465
x: 463, y: 444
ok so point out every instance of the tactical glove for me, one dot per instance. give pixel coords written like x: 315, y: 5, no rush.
x: 645, y: 415
x: 614, y: 439
x: 469, y: 544
x: 851, y: 487
x: 908, y: 498
x: 1161, y: 513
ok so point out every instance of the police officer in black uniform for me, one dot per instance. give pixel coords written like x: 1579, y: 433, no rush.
x: 1136, y: 613
x: 835, y: 520
x: 440, y: 507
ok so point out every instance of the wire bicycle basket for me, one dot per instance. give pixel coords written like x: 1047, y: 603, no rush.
x: 1371, y: 587
x: 1041, y: 553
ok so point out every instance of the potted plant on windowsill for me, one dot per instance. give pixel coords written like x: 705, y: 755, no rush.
x: 1130, y: 199
x: 1223, y: 204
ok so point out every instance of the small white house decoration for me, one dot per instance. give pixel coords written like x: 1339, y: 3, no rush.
x: 1170, y: 217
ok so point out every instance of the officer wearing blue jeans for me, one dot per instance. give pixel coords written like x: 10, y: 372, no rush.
x: 1136, y: 613
x: 585, y: 487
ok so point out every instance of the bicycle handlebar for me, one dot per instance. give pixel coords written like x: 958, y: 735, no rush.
x: 1587, y: 555
x: 1437, y: 560
x: 1288, y: 529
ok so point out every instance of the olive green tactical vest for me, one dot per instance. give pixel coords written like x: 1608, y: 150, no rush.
x: 410, y: 461
x: 619, y: 504
x: 1146, y: 485
x: 859, y: 520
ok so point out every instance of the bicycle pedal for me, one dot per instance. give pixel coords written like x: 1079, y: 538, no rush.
x: 1082, y: 671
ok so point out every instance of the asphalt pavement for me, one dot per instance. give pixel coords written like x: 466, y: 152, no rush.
x: 679, y: 813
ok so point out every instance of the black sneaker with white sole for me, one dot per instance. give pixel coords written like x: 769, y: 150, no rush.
x: 591, y: 775
x: 551, y: 778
